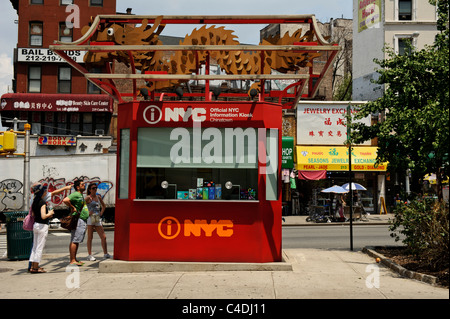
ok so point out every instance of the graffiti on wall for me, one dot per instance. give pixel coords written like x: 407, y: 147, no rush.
x: 11, y: 192
x: 10, y: 196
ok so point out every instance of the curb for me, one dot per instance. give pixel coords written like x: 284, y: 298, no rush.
x: 123, y: 266
x: 399, y: 269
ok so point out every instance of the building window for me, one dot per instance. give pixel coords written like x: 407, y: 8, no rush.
x: 36, y: 120
x: 403, y: 44
x: 405, y: 9
x: 87, y: 124
x: 36, y: 33
x: 66, y: 2
x: 61, y: 125
x: 96, y: 3
x: 37, y: 1
x: 74, y: 124
x: 34, y: 79
x: 91, y: 87
x: 65, y: 33
x: 64, y: 79
x: 49, y: 123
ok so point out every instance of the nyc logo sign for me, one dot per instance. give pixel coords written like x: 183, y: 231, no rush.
x: 170, y: 228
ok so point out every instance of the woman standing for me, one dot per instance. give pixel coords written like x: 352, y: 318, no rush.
x: 340, y: 207
x: 40, y: 228
x: 96, y: 208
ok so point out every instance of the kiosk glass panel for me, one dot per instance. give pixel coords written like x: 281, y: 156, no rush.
x: 196, y: 163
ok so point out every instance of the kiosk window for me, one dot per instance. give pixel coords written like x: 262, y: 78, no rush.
x: 124, y: 162
x: 195, y: 163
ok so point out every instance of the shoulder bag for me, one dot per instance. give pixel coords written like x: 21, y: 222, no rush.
x: 28, y: 222
x: 69, y: 222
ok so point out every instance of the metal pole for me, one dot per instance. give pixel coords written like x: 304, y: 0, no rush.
x: 26, y: 168
x: 349, y: 143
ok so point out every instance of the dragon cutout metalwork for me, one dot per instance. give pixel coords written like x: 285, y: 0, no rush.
x: 187, y: 62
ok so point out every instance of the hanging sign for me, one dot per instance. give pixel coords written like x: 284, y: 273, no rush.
x: 287, y: 152
x: 57, y: 140
x: 324, y: 123
x: 47, y: 55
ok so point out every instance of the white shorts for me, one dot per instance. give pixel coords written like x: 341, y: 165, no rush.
x: 94, y: 221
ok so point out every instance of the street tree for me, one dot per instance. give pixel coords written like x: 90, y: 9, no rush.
x: 413, y: 132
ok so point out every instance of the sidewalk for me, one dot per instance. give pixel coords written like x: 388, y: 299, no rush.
x: 303, y: 274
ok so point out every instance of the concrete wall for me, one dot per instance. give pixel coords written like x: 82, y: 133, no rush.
x: 56, y: 171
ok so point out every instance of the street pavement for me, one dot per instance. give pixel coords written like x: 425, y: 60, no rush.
x: 304, y: 274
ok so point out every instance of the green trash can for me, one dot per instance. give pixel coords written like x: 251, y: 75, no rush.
x: 19, y: 242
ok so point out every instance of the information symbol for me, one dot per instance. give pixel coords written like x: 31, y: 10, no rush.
x: 152, y: 114
x: 169, y: 227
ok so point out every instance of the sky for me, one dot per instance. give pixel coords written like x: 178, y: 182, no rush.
x: 322, y: 9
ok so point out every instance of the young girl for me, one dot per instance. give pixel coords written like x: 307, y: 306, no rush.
x: 40, y: 228
x: 96, y: 208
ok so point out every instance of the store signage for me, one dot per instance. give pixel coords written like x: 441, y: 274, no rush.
x: 324, y: 123
x: 287, y: 152
x: 335, y: 158
x: 369, y: 14
x: 57, y: 140
x: 47, y: 55
x: 56, y: 102
x: 153, y: 114
x: 170, y: 228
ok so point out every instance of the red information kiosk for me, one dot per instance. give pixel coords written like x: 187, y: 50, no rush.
x: 197, y: 179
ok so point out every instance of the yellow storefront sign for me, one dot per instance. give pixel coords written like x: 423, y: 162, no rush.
x: 335, y: 158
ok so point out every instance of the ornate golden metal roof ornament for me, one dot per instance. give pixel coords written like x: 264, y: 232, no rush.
x: 136, y: 42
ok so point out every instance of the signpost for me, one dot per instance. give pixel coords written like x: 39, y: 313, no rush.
x: 349, y: 144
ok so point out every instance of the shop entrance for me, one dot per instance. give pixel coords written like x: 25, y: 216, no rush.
x: 308, y: 196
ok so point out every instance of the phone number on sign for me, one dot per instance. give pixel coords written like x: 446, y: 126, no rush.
x: 40, y: 58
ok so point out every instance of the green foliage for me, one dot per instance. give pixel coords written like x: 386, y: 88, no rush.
x: 416, y: 107
x: 425, y: 227
x: 344, y: 90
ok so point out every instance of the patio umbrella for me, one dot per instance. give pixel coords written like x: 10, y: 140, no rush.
x: 355, y: 186
x: 335, y: 189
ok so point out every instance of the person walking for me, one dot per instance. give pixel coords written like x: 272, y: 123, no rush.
x: 96, y: 208
x: 77, y: 206
x: 40, y: 228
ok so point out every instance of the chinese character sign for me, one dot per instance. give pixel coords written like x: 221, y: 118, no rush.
x: 323, y: 123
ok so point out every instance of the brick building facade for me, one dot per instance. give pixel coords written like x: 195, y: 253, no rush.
x: 48, y: 93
